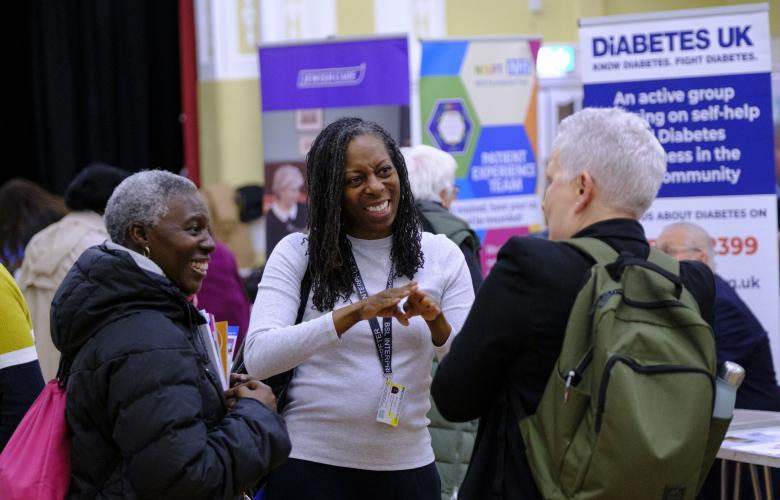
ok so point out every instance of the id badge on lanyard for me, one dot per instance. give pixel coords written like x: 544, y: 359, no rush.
x: 392, y: 395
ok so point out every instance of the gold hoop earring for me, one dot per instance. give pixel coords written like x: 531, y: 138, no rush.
x: 146, y: 251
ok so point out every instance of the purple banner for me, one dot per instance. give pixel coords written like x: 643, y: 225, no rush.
x: 335, y: 74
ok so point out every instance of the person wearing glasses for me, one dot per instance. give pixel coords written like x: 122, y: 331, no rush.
x: 739, y: 337
x: 432, y: 177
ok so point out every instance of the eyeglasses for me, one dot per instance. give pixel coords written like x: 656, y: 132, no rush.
x: 675, y: 251
x: 452, y: 191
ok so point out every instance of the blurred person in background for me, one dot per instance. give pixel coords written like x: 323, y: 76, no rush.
x: 385, y: 299
x: 739, y: 337
x: 432, y: 177
x: 26, y: 208
x: 145, y: 405
x: 20, y: 376
x: 249, y: 199
x: 250, y: 205
x: 53, y: 250
x: 286, y: 214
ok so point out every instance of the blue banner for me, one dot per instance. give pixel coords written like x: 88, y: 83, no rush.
x: 716, y: 130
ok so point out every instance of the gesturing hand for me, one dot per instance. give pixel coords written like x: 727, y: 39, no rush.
x: 385, y: 303
x: 420, y: 303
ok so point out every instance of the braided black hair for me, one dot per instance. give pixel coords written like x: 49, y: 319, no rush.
x: 328, y: 246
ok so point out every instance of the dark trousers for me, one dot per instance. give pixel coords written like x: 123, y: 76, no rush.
x: 302, y: 480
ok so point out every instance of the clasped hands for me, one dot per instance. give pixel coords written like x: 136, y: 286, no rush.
x: 244, y: 386
x: 385, y: 304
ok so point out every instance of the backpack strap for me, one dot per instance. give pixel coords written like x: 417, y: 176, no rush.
x: 599, y: 251
x: 657, y: 261
x: 672, y: 265
x: 660, y: 259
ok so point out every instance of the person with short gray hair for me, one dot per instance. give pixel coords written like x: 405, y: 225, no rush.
x: 431, y: 174
x: 143, y: 198
x: 432, y: 179
x: 618, y: 150
x: 604, y: 172
x: 739, y: 337
x: 128, y: 330
x: 687, y: 241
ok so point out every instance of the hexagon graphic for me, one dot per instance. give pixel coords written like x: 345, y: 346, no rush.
x: 450, y: 125
x: 433, y: 90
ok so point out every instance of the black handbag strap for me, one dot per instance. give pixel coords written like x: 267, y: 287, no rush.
x: 304, y: 298
x: 238, y: 364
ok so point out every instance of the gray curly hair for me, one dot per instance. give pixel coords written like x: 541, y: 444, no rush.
x: 142, y: 197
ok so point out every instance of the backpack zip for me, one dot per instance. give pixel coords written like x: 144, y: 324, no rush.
x: 603, y: 299
x: 645, y: 370
x: 573, y: 377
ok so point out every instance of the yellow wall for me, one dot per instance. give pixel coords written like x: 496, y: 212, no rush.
x: 557, y: 21
x: 229, y: 123
x: 354, y: 17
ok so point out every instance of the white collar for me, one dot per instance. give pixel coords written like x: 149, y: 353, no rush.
x: 280, y: 214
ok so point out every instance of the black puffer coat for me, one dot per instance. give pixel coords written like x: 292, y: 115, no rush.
x: 148, y: 416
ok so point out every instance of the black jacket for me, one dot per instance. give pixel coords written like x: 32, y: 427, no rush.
x: 148, y: 415
x: 510, y: 341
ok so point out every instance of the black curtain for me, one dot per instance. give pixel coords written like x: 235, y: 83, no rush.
x: 93, y: 80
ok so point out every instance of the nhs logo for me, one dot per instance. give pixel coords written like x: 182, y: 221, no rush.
x: 519, y: 66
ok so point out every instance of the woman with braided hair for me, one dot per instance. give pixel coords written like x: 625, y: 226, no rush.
x: 385, y: 298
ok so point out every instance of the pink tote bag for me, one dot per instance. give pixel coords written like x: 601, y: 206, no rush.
x: 36, y: 461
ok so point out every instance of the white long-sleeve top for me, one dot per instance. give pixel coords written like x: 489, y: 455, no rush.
x: 334, y: 395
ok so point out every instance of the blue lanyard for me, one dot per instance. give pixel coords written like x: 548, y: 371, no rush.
x: 383, y: 337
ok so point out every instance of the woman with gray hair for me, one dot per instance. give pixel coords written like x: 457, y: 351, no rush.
x: 286, y: 214
x: 146, y: 409
x: 432, y: 178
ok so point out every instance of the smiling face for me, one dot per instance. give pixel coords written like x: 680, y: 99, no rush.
x: 371, y: 189
x: 559, y: 202
x: 181, y: 243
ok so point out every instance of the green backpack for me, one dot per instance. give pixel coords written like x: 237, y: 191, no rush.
x: 627, y: 411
